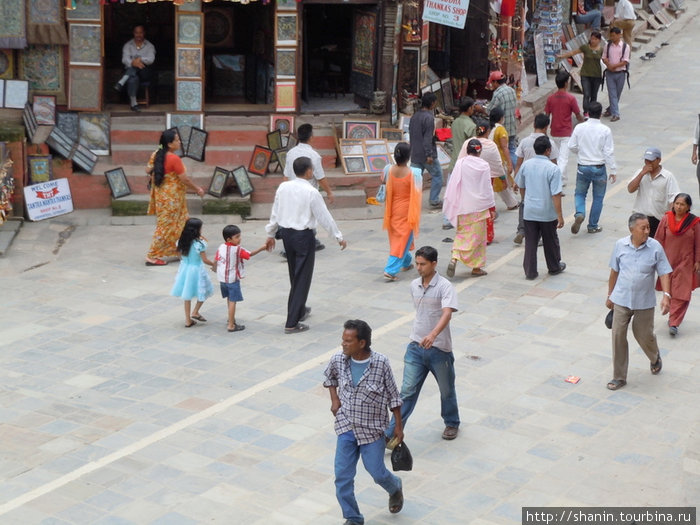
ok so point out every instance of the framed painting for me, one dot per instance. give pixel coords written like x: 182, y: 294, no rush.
x: 193, y: 5
x: 196, y: 144
x: 360, y: 129
x: 351, y: 147
x: 240, y: 175
x: 218, y: 182
x: 189, y: 29
x: 286, y: 5
x: 43, y: 67
x: 281, y: 158
x: 409, y: 70
x: 39, y: 168
x: 85, y: 44
x: 61, y: 143
x: 393, y: 134
x: 85, y: 10
x: 84, y: 158
x: 286, y: 29
x: 284, y: 123
x: 404, y: 121
x: 69, y: 123
x: 290, y: 141
x: 377, y: 149
x: 218, y: 28
x: 286, y: 62
x: 260, y: 160
x: 444, y: 158
x: 274, y: 140
x: 2, y: 93
x: 16, y: 93
x: 44, y: 107
x: 286, y: 96
x: 354, y: 164
x: 189, y: 95
x: 364, y: 40
x: 179, y: 120
x: 85, y: 88
x: 95, y: 132
x: 7, y: 64
x: 189, y: 62
x: 376, y: 163
x: 118, y: 184
x: 447, y: 95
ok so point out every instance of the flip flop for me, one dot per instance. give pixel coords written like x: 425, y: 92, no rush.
x: 616, y: 384
x: 191, y: 324
x: 656, y: 367
x: 156, y: 262
x: 390, y: 277
x: 478, y: 272
x: 296, y: 329
x: 237, y: 328
x: 199, y: 318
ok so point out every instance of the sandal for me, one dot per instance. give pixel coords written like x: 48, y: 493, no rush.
x: 390, y: 277
x: 191, y: 324
x: 237, y: 328
x: 656, y: 367
x: 156, y: 262
x: 396, y: 502
x: 199, y: 318
x: 478, y: 272
x: 296, y: 329
x: 616, y: 384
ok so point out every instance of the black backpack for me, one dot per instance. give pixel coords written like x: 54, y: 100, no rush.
x: 627, y: 67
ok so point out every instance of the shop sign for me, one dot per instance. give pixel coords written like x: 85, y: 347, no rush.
x: 451, y: 13
x: 48, y: 199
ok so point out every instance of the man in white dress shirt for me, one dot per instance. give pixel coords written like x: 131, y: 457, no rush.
x: 138, y: 55
x: 593, y: 143
x: 297, y: 208
x: 303, y: 149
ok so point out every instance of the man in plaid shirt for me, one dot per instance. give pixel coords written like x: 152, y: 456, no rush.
x: 504, y: 97
x: 362, y: 387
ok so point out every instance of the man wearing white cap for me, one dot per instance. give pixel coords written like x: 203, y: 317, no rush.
x: 655, y: 192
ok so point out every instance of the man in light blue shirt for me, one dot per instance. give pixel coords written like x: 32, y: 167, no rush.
x: 635, y: 262
x: 540, y: 188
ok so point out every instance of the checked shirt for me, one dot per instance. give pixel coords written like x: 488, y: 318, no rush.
x: 363, y: 408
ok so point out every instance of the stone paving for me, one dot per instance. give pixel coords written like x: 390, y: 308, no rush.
x: 112, y: 413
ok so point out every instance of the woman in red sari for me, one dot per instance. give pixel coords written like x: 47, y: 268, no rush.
x: 679, y: 234
x: 169, y: 183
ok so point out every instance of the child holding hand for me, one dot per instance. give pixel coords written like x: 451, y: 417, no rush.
x: 192, y: 280
x: 230, y: 270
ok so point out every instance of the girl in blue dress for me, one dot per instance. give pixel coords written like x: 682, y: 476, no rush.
x: 192, y: 280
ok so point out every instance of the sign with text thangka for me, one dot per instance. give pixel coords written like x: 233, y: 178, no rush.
x: 48, y: 199
x: 451, y: 13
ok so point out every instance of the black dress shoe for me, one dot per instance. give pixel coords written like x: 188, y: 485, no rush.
x: 136, y: 108
x: 118, y: 87
x: 562, y: 267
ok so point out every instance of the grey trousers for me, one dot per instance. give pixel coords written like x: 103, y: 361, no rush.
x: 643, y: 331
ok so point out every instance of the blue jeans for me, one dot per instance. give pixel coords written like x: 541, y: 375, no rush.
x: 592, y: 17
x: 512, y: 147
x: 347, y: 452
x: 616, y: 83
x: 585, y: 177
x: 417, y: 362
x: 435, y: 171
x: 395, y: 264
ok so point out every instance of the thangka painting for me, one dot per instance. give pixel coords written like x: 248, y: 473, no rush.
x: 69, y: 123
x: 42, y: 66
x: 94, y: 132
x: 364, y: 41
x: 85, y: 44
x: 85, y: 88
x: 7, y: 63
x: 189, y: 62
x: 45, y: 23
x: 85, y: 10
x: 189, y: 95
x: 286, y: 29
x: 13, y: 26
x: 189, y: 29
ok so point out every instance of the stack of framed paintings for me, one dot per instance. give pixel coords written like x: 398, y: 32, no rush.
x: 184, y: 122
x: 37, y: 132
x: 364, y: 156
x: 85, y: 56
x: 70, y: 148
x: 217, y: 185
x: 286, y: 55
x: 189, y: 60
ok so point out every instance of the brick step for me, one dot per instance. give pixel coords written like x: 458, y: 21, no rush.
x: 261, y: 211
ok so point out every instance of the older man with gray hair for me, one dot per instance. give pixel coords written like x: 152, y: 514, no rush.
x: 634, y: 265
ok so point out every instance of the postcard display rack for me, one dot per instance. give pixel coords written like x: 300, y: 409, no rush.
x: 547, y: 21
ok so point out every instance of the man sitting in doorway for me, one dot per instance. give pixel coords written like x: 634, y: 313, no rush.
x: 138, y: 55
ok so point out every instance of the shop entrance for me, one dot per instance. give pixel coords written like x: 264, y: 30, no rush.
x: 339, y: 56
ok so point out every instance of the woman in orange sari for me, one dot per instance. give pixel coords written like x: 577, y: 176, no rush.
x: 169, y: 183
x: 404, y: 193
x: 679, y: 234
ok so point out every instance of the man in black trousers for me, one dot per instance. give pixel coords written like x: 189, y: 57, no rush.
x: 298, y: 207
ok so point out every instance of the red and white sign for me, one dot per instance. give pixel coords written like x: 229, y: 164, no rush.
x: 451, y: 13
x: 48, y: 199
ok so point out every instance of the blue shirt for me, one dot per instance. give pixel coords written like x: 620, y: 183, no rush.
x: 541, y: 179
x: 637, y: 269
x: 357, y: 369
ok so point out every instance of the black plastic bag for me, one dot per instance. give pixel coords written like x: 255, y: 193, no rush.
x: 608, y: 319
x: 401, y: 458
